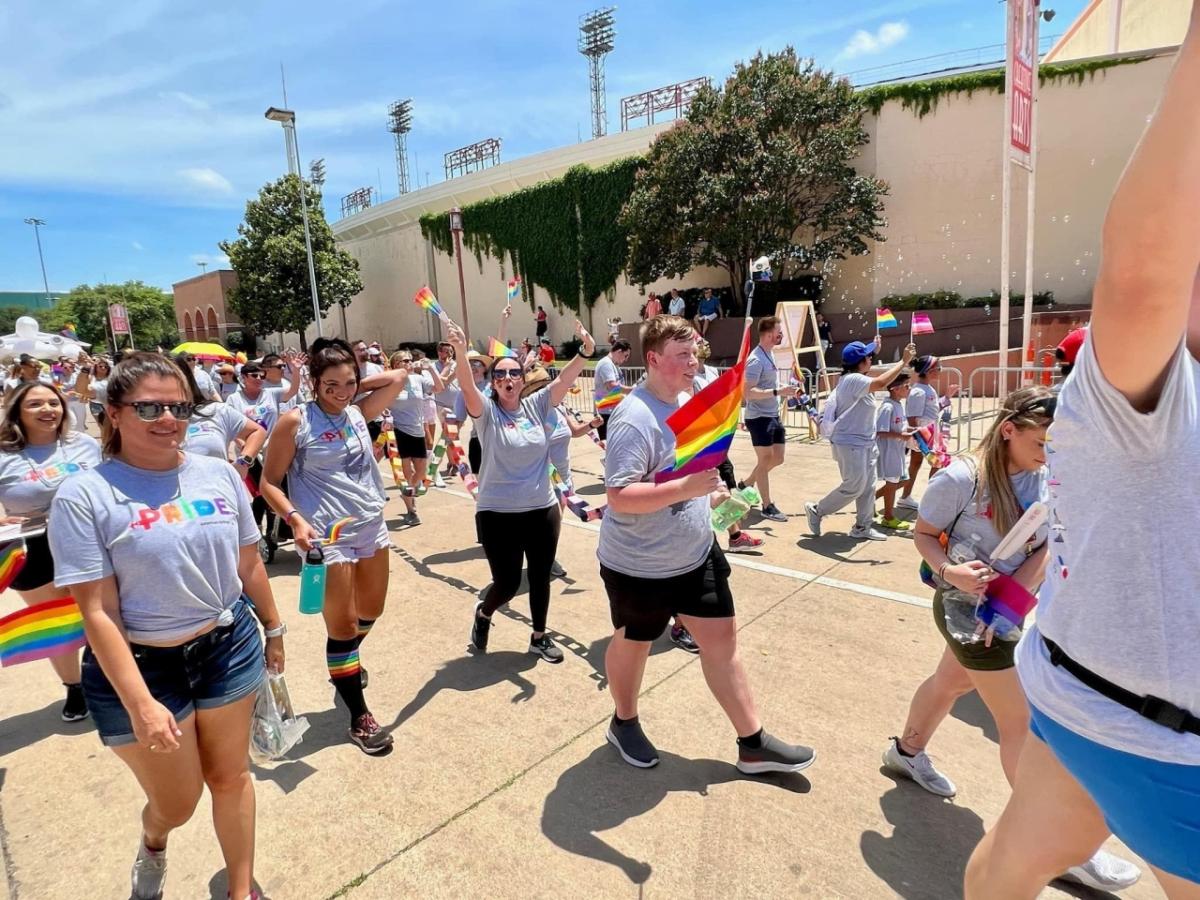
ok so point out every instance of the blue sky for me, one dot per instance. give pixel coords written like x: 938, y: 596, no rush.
x: 136, y: 129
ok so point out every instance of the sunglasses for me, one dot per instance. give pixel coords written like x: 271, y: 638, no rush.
x: 254, y: 375
x: 1046, y: 406
x: 507, y: 375
x: 152, y: 410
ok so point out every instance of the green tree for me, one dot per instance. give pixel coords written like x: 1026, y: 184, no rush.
x: 272, y: 267
x: 151, y: 314
x: 760, y: 166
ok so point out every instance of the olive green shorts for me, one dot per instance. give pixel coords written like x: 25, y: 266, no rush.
x: 974, y: 656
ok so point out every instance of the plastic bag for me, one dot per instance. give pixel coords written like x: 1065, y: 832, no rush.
x: 275, y: 728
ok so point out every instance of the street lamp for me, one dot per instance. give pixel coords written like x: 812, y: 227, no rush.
x: 41, y: 260
x: 287, y: 119
x: 456, y: 230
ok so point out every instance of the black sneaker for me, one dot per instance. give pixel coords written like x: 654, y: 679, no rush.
x: 557, y: 571
x: 368, y: 735
x: 545, y: 648
x: 76, y: 708
x: 771, y: 511
x: 773, y: 755
x: 479, y: 629
x: 682, y: 638
x: 631, y: 743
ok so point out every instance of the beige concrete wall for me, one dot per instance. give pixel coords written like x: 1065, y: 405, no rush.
x: 1145, y: 25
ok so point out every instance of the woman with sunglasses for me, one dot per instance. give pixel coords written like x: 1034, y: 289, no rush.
x: 517, y: 515
x: 226, y: 383
x: 38, y: 453
x: 479, y: 375
x: 1110, y: 668
x: 975, y: 502
x: 159, y: 550
x: 419, y: 382
x: 213, y: 426
x: 325, y: 450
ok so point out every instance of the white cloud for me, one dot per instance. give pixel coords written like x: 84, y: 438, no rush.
x: 208, y: 180
x: 866, y: 43
x: 186, y: 99
x: 137, y: 246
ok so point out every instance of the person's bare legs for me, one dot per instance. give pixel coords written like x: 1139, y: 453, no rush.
x: 1001, y: 693
x: 370, y: 585
x: 413, y: 474
x: 65, y: 665
x: 624, y: 665
x: 767, y: 458
x: 223, y: 735
x: 914, y: 466
x: 933, y: 701
x: 723, y: 670
x: 1049, y: 824
x: 889, y: 498
x: 1176, y: 888
x: 171, y: 781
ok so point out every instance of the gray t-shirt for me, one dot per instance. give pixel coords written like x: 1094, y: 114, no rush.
x: 211, y: 429
x: 204, y: 382
x: 607, y: 376
x: 891, y: 450
x: 171, y: 538
x: 279, y: 390
x: 516, y: 456
x: 761, y: 375
x: 263, y: 409
x: 923, y: 403
x: 1123, y: 499
x: 854, y: 412
x: 460, y: 404
x: 704, y: 376
x: 366, y: 370
x: 99, y: 391
x: 559, y: 436
x: 29, y: 478
x: 445, y: 398
x: 670, y: 541
x: 408, y: 409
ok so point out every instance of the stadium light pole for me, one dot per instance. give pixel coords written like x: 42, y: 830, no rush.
x: 36, y: 223
x: 456, y: 229
x: 287, y: 119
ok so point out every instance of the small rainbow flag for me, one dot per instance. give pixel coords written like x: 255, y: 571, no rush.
x: 334, y: 531
x: 12, y: 561
x: 514, y: 289
x: 610, y: 400
x: 921, y: 324
x: 40, y: 632
x: 68, y: 331
x: 885, y: 319
x: 705, y: 425
x: 424, y: 298
x: 497, y: 350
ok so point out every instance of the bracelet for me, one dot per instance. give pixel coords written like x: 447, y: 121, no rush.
x: 278, y: 631
x: 291, y: 512
x: 942, y: 570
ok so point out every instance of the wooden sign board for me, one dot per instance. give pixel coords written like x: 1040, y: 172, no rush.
x: 801, y: 346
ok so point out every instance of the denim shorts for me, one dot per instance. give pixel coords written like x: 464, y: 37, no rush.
x: 216, y: 669
x: 1153, y: 806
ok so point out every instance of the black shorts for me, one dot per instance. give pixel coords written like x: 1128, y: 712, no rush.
x: 39, y: 565
x: 725, y: 470
x: 373, y: 429
x: 644, y: 606
x: 765, y: 431
x: 541, y: 328
x: 410, y: 447
x: 603, y: 429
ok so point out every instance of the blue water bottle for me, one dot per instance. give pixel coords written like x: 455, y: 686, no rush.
x: 312, y: 582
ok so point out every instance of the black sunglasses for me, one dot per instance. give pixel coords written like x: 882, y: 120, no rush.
x: 152, y: 410
x: 1044, y: 405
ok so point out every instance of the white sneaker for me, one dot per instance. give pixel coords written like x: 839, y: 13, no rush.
x: 814, y: 519
x: 867, y: 534
x: 438, y: 482
x: 920, y: 769
x: 909, y: 503
x: 1105, y: 872
x: 149, y: 873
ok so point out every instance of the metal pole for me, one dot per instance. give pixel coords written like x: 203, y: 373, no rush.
x: 462, y: 289
x: 41, y: 259
x: 1005, y: 200
x: 1030, y: 204
x: 312, y: 272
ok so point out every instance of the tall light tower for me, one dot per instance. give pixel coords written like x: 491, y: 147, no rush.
x: 36, y: 223
x: 596, y: 35
x: 400, y: 124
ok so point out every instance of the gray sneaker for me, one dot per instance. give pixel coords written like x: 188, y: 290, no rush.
x: 557, y: 571
x: 919, y: 768
x: 149, y: 873
x: 814, y: 519
x: 771, y: 511
x: 632, y: 744
x: 545, y: 648
x: 867, y: 534
x: 412, y: 519
x: 773, y: 755
x: 1105, y: 872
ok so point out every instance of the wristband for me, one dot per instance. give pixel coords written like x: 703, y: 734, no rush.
x: 278, y: 631
x: 774, y: 392
x: 245, y: 460
x: 291, y: 512
x: 942, y: 570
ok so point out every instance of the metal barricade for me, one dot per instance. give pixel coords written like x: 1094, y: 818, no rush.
x: 985, y: 394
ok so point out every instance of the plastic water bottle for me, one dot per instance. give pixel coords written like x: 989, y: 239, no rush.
x: 312, y: 582
x: 734, y: 508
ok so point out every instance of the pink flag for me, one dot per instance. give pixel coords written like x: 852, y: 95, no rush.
x: 921, y: 324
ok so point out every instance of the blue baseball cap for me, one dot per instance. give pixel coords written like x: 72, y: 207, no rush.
x: 856, y: 351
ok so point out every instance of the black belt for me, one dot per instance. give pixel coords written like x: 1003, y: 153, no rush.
x: 1153, y: 708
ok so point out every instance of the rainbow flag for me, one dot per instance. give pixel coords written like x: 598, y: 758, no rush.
x: 705, y: 425
x: 424, y: 298
x: 40, y: 632
x: 68, y: 331
x: 514, y: 289
x: 885, y: 319
x: 921, y: 324
x: 610, y: 400
x: 497, y: 350
x: 12, y: 561
x: 334, y: 531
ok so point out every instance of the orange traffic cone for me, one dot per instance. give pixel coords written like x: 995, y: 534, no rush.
x: 1047, y: 368
x: 1030, y: 356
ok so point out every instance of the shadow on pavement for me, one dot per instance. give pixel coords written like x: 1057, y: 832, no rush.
x: 602, y: 792
x: 836, y: 547
x: 591, y: 490
x: 971, y: 710
x: 455, y: 556
x: 473, y: 673
x: 931, y: 841
x: 30, y: 727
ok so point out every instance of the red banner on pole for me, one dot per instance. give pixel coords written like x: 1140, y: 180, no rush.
x: 119, y: 319
x: 1022, y: 56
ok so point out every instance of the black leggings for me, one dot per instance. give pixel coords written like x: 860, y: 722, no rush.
x: 506, y: 538
x: 475, y: 454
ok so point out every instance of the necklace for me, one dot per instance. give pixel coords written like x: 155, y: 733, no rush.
x: 334, y: 425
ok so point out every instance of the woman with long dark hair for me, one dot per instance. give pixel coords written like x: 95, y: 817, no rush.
x: 38, y: 453
x: 325, y: 449
x: 159, y: 549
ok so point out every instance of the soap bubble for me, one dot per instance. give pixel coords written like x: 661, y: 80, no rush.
x: 1067, y: 218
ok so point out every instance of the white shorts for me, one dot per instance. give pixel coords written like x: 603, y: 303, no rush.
x: 709, y: 318
x: 366, y: 540
x: 431, y: 416
x: 896, y: 479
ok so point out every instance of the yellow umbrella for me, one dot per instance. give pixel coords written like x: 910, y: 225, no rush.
x: 204, y: 350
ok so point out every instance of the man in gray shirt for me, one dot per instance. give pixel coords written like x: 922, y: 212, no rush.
x: 658, y: 559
